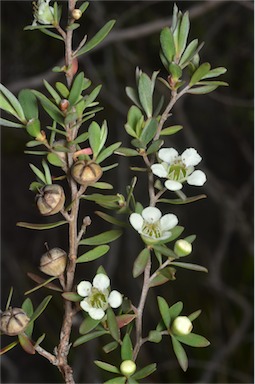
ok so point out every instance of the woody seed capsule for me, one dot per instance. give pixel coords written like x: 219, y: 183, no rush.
x: 13, y: 321
x: 50, y: 199
x: 53, y: 262
x: 86, y: 172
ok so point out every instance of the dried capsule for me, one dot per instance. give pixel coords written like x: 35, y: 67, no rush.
x: 53, y: 262
x: 13, y: 321
x: 86, y: 172
x: 50, y: 199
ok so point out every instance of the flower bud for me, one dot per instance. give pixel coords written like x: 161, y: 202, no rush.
x: 50, y: 199
x: 64, y: 104
x: 13, y: 321
x: 182, y: 326
x: 128, y: 367
x: 76, y: 14
x: 53, y: 262
x: 182, y: 248
x: 86, y: 172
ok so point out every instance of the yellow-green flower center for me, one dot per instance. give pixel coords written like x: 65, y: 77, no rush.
x: 97, y: 299
x: 177, y: 171
x: 152, y: 229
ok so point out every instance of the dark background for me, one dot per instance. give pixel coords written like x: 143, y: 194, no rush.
x: 218, y: 125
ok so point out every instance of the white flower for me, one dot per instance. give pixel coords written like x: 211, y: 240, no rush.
x: 179, y: 168
x: 152, y: 225
x: 97, y: 296
x: 43, y: 12
x: 182, y: 326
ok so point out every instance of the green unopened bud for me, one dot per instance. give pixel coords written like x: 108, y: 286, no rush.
x: 182, y: 248
x: 76, y: 14
x: 182, y: 326
x: 128, y: 367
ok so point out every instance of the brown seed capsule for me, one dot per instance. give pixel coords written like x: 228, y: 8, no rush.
x: 76, y: 14
x: 13, y: 321
x: 50, y: 199
x: 86, y: 172
x: 64, y: 104
x: 53, y: 262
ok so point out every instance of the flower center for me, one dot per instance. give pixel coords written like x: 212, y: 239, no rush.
x: 177, y: 171
x: 98, y: 299
x: 152, y: 229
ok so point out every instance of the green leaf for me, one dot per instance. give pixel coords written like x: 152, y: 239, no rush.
x: 202, y: 90
x: 26, y: 344
x: 9, y: 299
x: 215, y: 72
x: 44, y: 283
x: 83, y: 339
x: 201, y: 71
x: 126, y: 152
x: 62, y: 89
x: 6, y: 106
x: 106, y: 366
x: 145, y: 90
x: 126, y: 348
x: 41, y: 307
x: 169, y: 273
x: 164, y: 250
x: 112, y: 324
x: 111, y: 219
x: 14, y: 102
x: 190, y: 238
x: 99, y: 36
x: 124, y: 320
x: 52, y: 110
x: 154, y: 147
x: 54, y: 159
x: 38, y: 173
x: 107, y: 152
x: 52, y: 92
x: 94, y: 138
x: 175, y: 310
x: 167, y: 43
x: 141, y: 262
x: 27, y: 306
x: 103, y: 238
x: 193, y: 340
x: 183, y: 33
x: 88, y: 325
x: 73, y: 26
x: 80, y: 139
x: 76, y: 89
x: 188, y: 53
x: 175, y: 71
x: 47, y: 172
x: 149, y: 131
x: 40, y: 226
x: 181, y: 201
x: 88, y: 100
x: 132, y: 94
x: 194, y: 315
x: 192, y: 267
x: 40, y: 280
x: 28, y: 103
x: 144, y: 372
x: 71, y: 296
x: 164, y: 311
x: 133, y: 118
x: 32, y: 27
x: 7, y: 123
x: 116, y: 380
x: 158, y: 280
x: 51, y: 34
x: 175, y: 233
x: 171, y: 130
x: 93, y: 254
x: 8, y: 347
x: 180, y: 354
x: 40, y: 339
x: 84, y: 6
x: 110, y: 346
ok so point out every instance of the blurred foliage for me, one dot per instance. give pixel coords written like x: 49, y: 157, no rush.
x: 219, y: 125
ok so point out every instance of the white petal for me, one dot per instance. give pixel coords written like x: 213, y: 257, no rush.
x: 96, y: 313
x: 101, y: 281
x: 197, y: 178
x: 165, y: 235
x: 191, y: 157
x: 136, y: 221
x: 85, y: 305
x: 159, y: 170
x: 84, y: 288
x: 173, y: 185
x: 168, y: 221
x: 151, y: 214
x: 115, y: 299
x: 168, y: 154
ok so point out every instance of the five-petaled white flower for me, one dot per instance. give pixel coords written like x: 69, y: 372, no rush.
x: 152, y: 226
x: 43, y: 12
x: 179, y: 168
x: 97, y: 296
